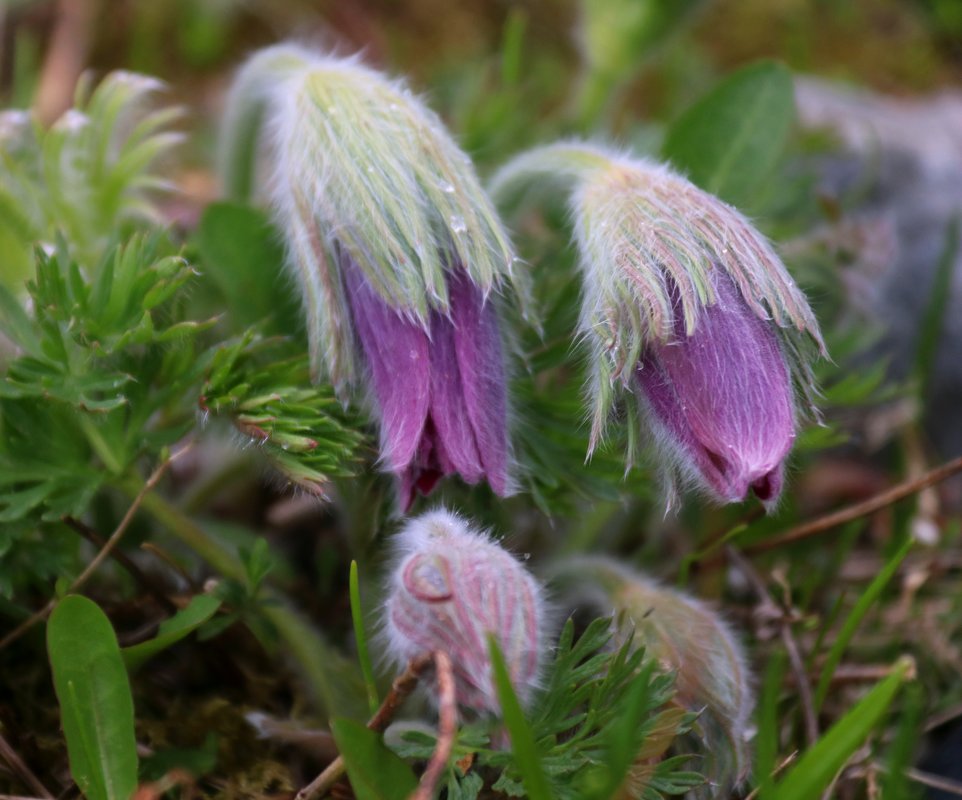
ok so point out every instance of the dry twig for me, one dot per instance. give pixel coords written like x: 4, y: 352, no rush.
x: 124, y: 560
x: 788, y: 639
x: 866, y: 507
x: 105, y: 551
x: 402, y: 687
x: 447, y: 728
x: 17, y: 764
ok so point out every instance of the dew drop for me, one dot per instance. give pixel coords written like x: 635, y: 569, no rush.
x: 458, y: 225
x: 446, y: 187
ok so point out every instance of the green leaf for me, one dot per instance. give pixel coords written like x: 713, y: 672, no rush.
x: 242, y: 252
x: 523, y: 746
x: 17, y: 325
x: 731, y: 139
x: 200, y: 609
x: 815, y: 770
x: 376, y: 773
x: 865, y: 602
x: 360, y: 636
x: 96, y: 706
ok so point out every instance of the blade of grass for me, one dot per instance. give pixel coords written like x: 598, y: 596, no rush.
x: 862, y: 606
x: 815, y: 770
x: 766, y: 750
x: 523, y: 745
x: 360, y: 635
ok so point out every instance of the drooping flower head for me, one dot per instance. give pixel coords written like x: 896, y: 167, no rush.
x: 688, y: 638
x: 397, y: 251
x: 687, y: 307
x: 450, y: 588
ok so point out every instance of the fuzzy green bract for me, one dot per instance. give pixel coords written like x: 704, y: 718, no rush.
x: 362, y: 169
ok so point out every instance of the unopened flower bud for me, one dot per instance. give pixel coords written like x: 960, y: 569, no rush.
x: 691, y: 640
x: 687, y: 307
x: 452, y: 587
x: 397, y: 251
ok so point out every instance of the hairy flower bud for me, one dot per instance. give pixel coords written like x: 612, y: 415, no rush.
x: 398, y: 253
x: 687, y: 307
x: 450, y: 588
x: 688, y: 638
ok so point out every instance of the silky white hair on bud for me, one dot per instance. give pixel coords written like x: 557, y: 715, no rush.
x: 644, y: 232
x: 450, y: 587
x: 362, y: 170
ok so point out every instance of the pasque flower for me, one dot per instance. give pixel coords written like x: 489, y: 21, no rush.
x: 450, y: 588
x: 690, y: 639
x: 687, y: 308
x: 397, y: 251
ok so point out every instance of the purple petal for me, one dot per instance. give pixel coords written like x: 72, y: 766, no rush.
x: 723, y: 397
x: 398, y: 357
x: 477, y: 342
x: 455, y: 441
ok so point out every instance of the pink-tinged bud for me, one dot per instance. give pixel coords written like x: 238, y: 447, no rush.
x: 720, y: 400
x: 688, y: 307
x: 452, y: 587
x: 690, y: 639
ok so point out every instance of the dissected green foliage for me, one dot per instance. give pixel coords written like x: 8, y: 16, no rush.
x: 601, y: 722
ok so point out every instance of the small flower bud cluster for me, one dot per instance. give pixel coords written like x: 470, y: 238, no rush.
x: 450, y: 588
x: 688, y: 638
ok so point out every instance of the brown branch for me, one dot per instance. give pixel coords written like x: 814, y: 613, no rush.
x: 20, y: 767
x: 105, y: 551
x: 939, y: 782
x: 791, y: 646
x: 447, y: 729
x: 402, y: 687
x: 869, y: 506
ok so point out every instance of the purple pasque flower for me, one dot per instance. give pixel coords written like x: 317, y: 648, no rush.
x: 439, y: 393
x: 397, y: 252
x: 721, y: 399
x: 686, y: 306
x: 450, y: 588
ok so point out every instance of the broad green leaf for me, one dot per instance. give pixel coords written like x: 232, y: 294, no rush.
x: 242, y: 252
x: 200, y: 609
x: 731, y: 139
x: 376, y: 773
x: 815, y: 770
x: 96, y: 706
x: 523, y: 745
